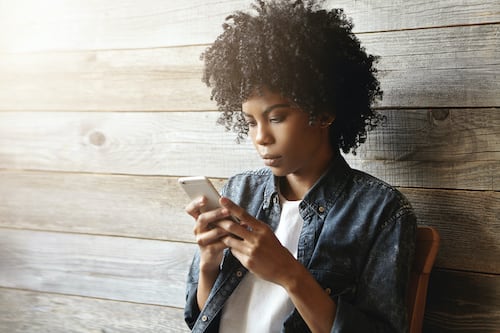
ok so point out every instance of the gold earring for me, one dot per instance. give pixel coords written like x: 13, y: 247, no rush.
x: 325, y: 124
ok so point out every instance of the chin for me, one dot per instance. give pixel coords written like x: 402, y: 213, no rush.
x: 278, y: 172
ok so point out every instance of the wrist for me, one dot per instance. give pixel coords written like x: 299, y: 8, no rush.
x: 207, y: 276
x: 209, y: 267
x: 210, y: 263
x: 292, y: 280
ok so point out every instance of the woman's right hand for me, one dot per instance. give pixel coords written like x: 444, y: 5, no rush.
x: 208, y: 235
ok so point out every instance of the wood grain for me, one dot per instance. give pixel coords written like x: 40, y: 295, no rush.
x: 379, y: 15
x: 126, y: 269
x: 30, y: 26
x: 152, y: 207
x: 124, y: 143
x: 457, y: 300
x: 435, y: 135
x: 408, y: 152
x: 114, y: 205
x: 450, y: 175
x: 124, y: 80
x: 102, y: 107
x: 436, y: 67
x: 446, y: 67
x: 462, y: 302
x: 467, y: 222
x: 28, y: 311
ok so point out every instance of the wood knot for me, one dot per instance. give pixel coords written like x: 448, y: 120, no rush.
x: 97, y: 138
x: 439, y: 114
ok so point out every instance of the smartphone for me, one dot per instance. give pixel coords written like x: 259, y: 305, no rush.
x: 199, y: 186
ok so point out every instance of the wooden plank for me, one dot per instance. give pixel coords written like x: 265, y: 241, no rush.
x: 379, y: 15
x: 462, y: 302
x: 28, y: 311
x: 418, y: 152
x: 457, y: 301
x: 30, y: 26
x: 127, y: 80
x: 447, y: 67
x: 114, y: 24
x: 468, y: 225
x: 118, y: 205
x: 435, y: 135
x: 434, y: 67
x: 126, y: 269
x: 152, y: 207
x: 137, y: 143
x: 450, y: 175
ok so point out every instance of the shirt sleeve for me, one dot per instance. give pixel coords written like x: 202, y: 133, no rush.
x: 380, y: 301
x: 191, y: 309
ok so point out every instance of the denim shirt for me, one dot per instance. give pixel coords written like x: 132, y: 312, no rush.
x: 357, y: 241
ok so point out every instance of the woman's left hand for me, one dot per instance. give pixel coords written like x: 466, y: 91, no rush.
x: 257, y: 248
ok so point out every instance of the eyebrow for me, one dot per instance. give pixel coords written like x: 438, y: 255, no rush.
x: 270, y: 108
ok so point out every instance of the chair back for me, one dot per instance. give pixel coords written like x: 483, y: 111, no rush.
x: 426, y: 249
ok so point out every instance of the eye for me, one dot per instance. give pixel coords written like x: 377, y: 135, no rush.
x: 277, y: 119
x: 250, y: 122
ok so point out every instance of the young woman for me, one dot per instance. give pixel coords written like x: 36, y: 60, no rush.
x: 320, y: 247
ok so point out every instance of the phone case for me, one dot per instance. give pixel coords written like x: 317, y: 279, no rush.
x: 199, y: 186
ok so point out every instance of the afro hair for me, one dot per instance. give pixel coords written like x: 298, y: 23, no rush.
x: 307, y: 54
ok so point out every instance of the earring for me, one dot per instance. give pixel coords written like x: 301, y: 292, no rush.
x: 325, y: 124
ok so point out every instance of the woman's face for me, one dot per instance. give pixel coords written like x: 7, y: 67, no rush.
x: 283, y: 137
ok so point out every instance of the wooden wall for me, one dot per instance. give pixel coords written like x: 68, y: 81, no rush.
x: 102, y: 108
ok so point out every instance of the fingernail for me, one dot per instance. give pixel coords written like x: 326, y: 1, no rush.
x: 224, y: 201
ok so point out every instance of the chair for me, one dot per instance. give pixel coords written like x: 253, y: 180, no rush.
x: 426, y: 249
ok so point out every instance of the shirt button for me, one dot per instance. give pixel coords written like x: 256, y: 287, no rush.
x: 328, y: 291
x: 321, y: 209
x: 204, y: 318
x: 239, y: 274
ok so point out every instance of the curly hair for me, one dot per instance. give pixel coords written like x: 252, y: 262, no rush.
x: 307, y: 54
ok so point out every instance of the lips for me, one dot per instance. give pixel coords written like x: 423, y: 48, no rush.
x: 271, y: 160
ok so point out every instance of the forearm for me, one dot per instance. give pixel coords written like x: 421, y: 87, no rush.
x: 311, y: 301
x: 205, y: 283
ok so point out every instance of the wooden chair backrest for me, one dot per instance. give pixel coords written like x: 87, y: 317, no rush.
x: 426, y: 249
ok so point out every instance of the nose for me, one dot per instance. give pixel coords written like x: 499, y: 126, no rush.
x: 263, y: 135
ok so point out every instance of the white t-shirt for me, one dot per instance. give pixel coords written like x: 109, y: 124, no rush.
x: 257, y: 305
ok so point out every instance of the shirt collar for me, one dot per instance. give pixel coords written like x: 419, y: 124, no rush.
x: 322, y: 194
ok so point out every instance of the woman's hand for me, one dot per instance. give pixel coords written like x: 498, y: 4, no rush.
x: 256, y: 245
x: 261, y: 252
x: 209, y: 239
x: 208, y: 235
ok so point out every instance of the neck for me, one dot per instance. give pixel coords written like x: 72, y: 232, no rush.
x: 294, y: 186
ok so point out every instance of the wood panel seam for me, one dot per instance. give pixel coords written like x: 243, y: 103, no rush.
x: 88, y: 297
